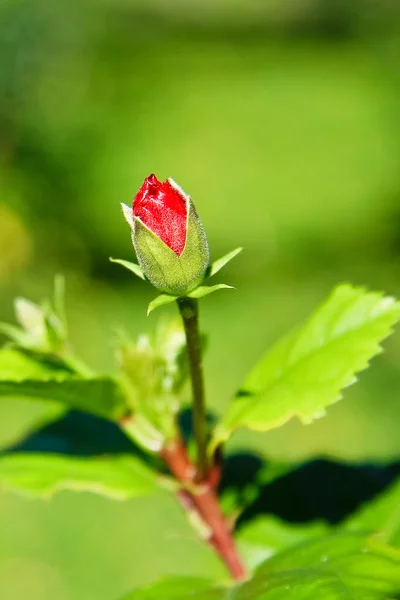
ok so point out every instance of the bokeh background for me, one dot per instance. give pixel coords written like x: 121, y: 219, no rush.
x: 282, y: 119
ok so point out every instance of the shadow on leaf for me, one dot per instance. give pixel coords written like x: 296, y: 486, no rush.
x: 320, y: 489
x: 79, y: 434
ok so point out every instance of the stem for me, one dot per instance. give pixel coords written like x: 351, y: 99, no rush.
x: 203, y: 500
x: 189, y: 310
x: 198, y: 495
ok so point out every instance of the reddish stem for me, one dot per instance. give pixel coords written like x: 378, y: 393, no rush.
x: 204, y: 500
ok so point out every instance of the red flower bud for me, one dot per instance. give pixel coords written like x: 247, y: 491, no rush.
x: 169, y: 239
x: 162, y: 208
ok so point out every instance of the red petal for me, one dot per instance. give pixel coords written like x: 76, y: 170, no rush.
x: 162, y: 208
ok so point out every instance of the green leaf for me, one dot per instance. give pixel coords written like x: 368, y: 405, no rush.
x: 17, y: 365
x: 133, y: 267
x: 265, y: 536
x: 305, y: 372
x: 30, y: 317
x: 161, y: 300
x: 13, y: 332
x: 382, y: 514
x: 59, y: 300
x: 101, y: 396
x: 221, y: 262
x: 180, y: 588
x: 297, y: 585
x: 42, y: 329
x: 117, y: 476
x: 204, y: 290
x: 343, y: 566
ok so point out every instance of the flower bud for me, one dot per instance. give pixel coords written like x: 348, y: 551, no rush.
x: 169, y: 239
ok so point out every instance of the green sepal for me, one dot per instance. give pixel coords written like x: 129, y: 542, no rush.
x: 133, y: 267
x: 161, y: 300
x: 199, y: 292
x: 168, y: 272
x: 205, y: 290
x: 217, y: 265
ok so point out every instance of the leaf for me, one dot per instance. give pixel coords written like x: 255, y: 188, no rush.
x: 161, y: 300
x: 265, y: 536
x: 305, y: 371
x: 180, y: 588
x: 59, y: 300
x: 100, y: 396
x: 17, y: 365
x: 30, y: 317
x: 205, y: 290
x: 14, y: 333
x: 382, y: 515
x: 221, y: 262
x: 42, y: 329
x: 79, y: 434
x: 133, y: 267
x: 342, y: 566
x: 117, y: 476
x: 297, y: 585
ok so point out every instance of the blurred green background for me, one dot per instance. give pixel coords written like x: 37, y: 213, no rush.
x: 282, y: 119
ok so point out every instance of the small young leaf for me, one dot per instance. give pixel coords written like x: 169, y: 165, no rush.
x: 161, y: 300
x: 116, y: 476
x: 30, y: 317
x: 99, y: 396
x: 180, y: 588
x: 305, y: 372
x: 133, y: 267
x: 59, y: 300
x: 204, y: 290
x: 43, y: 328
x: 221, y: 262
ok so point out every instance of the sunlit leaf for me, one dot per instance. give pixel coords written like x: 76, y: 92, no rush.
x: 337, y: 567
x: 263, y: 537
x: 306, y: 371
x: 382, y: 514
x: 180, y: 588
x: 30, y: 316
x: 100, y: 396
x: 116, y: 476
x: 17, y: 365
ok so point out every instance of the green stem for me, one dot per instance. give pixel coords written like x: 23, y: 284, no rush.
x: 189, y: 310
